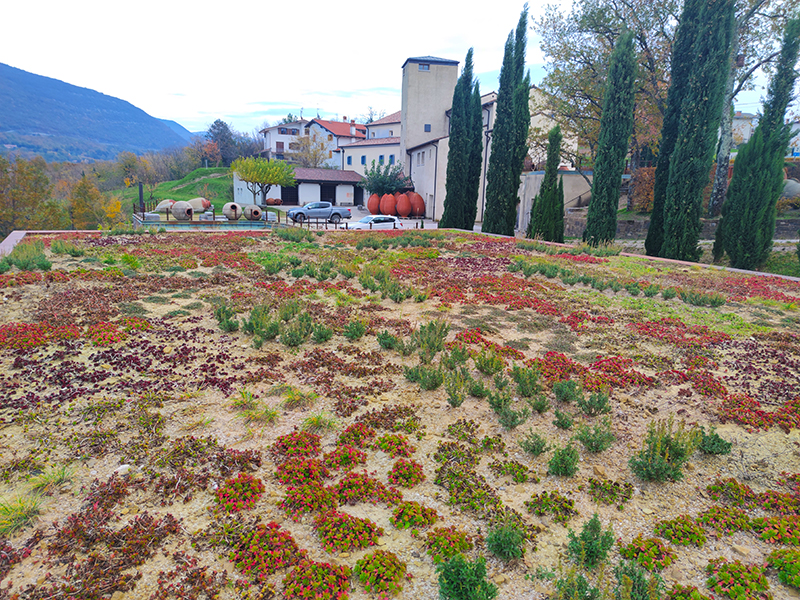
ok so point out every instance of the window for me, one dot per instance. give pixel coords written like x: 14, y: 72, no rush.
x: 294, y: 131
x: 372, y: 134
x: 278, y: 146
x: 330, y: 153
x: 391, y: 159
x: 363, y: 159
x: 424, y: 67
x: 349, y: 160
x: 391, y: 132
x: 330, y: 137
x: 282, y: 130
x: 380, y: 159
x: 427, y: 127
x: 305, y: 131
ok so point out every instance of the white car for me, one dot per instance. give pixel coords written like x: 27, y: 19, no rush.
x: 377, y: 222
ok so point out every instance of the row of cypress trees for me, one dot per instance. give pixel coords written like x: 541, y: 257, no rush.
x: 748, y: 214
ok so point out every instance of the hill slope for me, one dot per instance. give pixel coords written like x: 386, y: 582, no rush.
x: 61, y: 121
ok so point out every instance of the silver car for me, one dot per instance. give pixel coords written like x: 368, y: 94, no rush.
x: 377, y: 222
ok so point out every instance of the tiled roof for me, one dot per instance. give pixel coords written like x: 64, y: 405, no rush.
x: 374, y: 142
x: 304, y: 175
x: 392, y: 118
x: 341, y: 128
x: 430, y: 59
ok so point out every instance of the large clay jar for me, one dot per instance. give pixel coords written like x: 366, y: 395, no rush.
x: 374, y: 204
x: 417, y: 204
x: 200, y: 204
x: 182, y: 211
x: 403, y: 205
x: 388, y: 203
x: 252, y: 212
x: 232, y: 211
x: 164, y: 206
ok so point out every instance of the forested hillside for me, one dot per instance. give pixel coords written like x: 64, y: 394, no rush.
x: 59, y: 121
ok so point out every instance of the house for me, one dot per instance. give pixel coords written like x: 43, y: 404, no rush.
x: 332, y: 185
x: 382, y: 145
x: 277, y: 139
x: 794, y: 141
x: 335, y: 134
x: 742, y: 127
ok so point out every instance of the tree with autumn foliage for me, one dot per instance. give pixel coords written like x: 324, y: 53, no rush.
x: 89, y: 209
x: 26, y: 201
x: 305, y: 151
x: 260, y: 174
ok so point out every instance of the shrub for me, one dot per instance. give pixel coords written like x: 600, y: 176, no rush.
x: 685, y: 592
x: 664, y: 451
x: 506, y: 542
x: 489, y: 362
x: 354, y: 330
x: 591, y: 547
x: 225, y: 316
x: 650, y: 553
x: 533, y: 443
x: 386, y: 340
x: 263, y: 550
x: 444, y: 543
x: 321, y: 333
x: 311, y: 580
x: 456, y: 382
x: 308, y: 498
x: 634, y: 584
x: 460, y: 579
x: 564, y: 462
x: 563, y: 420
x: 539, y: 403
x: 239, y: 493
x: 428, y: 378
x: 596, y: 404
x: 430, y: 339
x: 736, y: 580
x: 478, y: 389
x: 712, y: 299
x: 712, y: 443
x: 64, y: 247
x: 787, y: 563
x: 597, y: 438
x: 510, y: 418
x: 406, y: 473
x: 527, y: 380
x: 682, y: 530
x: 412, y: 514
x: 576, y: 587
x: 552, y: 503
x: 381, y: 571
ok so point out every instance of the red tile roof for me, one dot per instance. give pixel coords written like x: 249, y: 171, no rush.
x: 392, y: 118
x: 341, y: 128
x: 374, y: 142
x: 304, y: 175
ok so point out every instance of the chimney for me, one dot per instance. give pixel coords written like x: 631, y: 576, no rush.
x: 352, y: 126
x: 344, y: 119
x: 738, y: 113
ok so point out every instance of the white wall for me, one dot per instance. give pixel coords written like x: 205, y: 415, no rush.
x: 383, y: 131
x: 322, y: 134
x: 370, y: 153
x: 308, y: 192
x: 345, y: 195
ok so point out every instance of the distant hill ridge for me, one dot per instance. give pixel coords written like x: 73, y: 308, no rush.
x: 60, y: 121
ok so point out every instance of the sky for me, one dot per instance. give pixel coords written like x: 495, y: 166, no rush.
x: 250, y: 62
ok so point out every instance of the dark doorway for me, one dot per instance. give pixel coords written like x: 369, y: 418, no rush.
x: 328, y: 193
x: 358, y: 197
x: 290, y: 196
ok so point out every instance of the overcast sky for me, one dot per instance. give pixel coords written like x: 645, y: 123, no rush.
x: 247, y: 61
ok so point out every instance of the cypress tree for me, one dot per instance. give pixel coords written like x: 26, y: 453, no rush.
x: 748, y: 215
x: 475, y: 157
x: 547, y: 209
x: 701, y: 110
x: 509, y: 138
x: 616, y: 126
x: 682, y: 61
x: 461, y: 196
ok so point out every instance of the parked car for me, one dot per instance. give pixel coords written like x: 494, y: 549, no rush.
x: 377, y: 222
x: 319, y: 210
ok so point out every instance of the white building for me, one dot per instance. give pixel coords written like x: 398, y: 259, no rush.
x: 278, y: 138
x: 332, y: 185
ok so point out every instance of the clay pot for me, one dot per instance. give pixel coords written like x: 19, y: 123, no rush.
x: 278, y: 201
x: 417, y: 204
x: 182, y: 211
x: 164, y: 206
x: 232, y: 211
x: 388, y: 204
x: 403, y: 205
x: 200, y: 204
x: 374, y: 204
x: 252, y: 212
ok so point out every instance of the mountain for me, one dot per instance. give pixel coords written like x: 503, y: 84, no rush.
x: 59, y: 121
